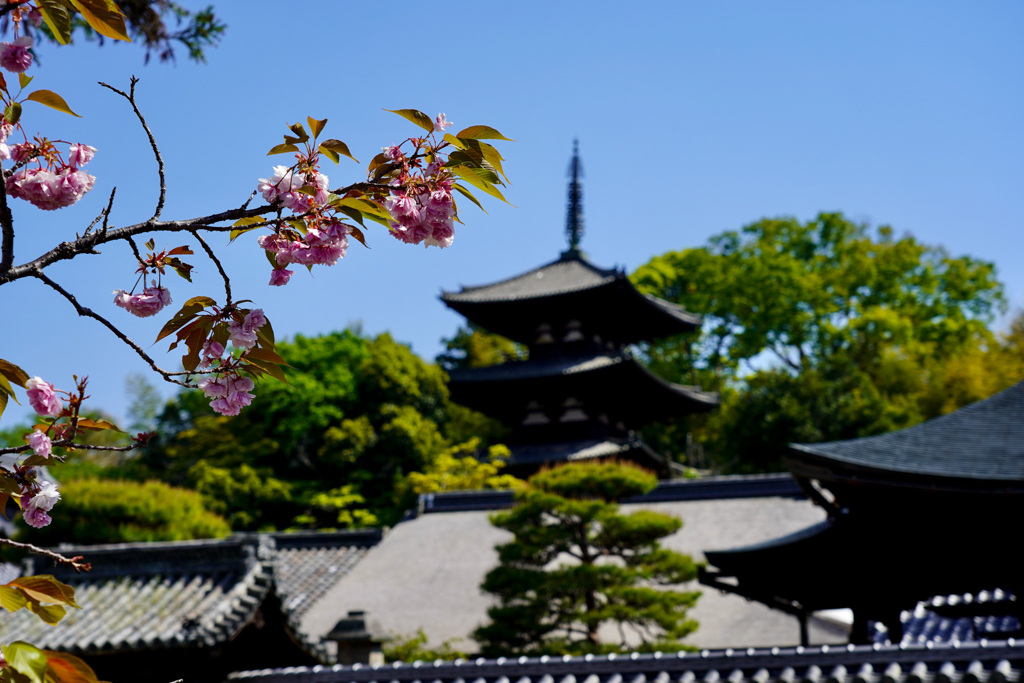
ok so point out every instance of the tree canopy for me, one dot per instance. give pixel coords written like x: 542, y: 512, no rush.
x: 814, y: 331
x: 576, y: 564
x: 327, y: 448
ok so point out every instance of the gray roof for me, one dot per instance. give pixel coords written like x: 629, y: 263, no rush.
x: 998, y: 662
x: 147, y: 596
x: 554, y: 279
x: 427, y: 571
x: 981, y: 442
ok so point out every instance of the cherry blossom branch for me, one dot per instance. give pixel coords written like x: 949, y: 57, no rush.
x: 130, y: 96
x: 89, y: 313
x: 7, y: 226
x: 73, y: 445
x: 87, y: 244
x: 213, y: 257
x: 73, y: 562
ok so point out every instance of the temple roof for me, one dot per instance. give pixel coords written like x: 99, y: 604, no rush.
x: 993, y: 662
x: 600, y: 381
x: 982, y: 442
x: 159, y: 596
x: 570, y: 287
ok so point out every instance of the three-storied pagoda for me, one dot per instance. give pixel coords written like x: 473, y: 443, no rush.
x: 580, y: 395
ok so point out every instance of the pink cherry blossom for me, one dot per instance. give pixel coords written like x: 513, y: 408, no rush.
x: 36, y: 517
x: 393, y: 153
x: 80, y: 155
x: 46, y: 498
x: 16, y: 56
x: 47, y: 190
x: 43, y: 398
x: 40, y: 443
x: 440, y: 123
x: 230, y: 393
x: 279, y: 277
x: 243, y: 334
x: 148, y: 303
x: 211, y: 351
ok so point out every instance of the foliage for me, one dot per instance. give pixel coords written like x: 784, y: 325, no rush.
x: 474, y: 347
x: 157, y: 25
x: 412, y: 649
x: 458, y: 469
x: 576, y: 564
x: 357, y: 416
x: 816, y: 330
x: 109, y: 511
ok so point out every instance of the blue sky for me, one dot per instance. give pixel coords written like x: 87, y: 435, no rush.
x: 693, y: 118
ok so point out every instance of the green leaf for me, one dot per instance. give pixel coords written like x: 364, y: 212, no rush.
x: 13, y: 373
x: 480, y: 179
x: 51, y: 614
x: 57, y: 16
x: 12, y: 599
x: 3, y: 401
x: 12, y: 113
x: 45, y: 588
x: 28, y: 660
x: 266, y: 366
x: 417, y: 117
x: 299, y: 131
x: 51, y: 100
x: 242, y: 222
x: 316, y: 125
x: 330, y: 154
x: 469, y: 195
x: 24, y: 79
x: 481, y: 133
x: 283, y: 148
x: 104, y: 16
x: 86, y: 423
x: 338, y: 147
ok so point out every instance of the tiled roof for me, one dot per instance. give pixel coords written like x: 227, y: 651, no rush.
x: 160, y: 596
x: 307, y: 564
x: 610, y: 375
x: 959, y: 619
x: 148, y: 596
x: 983, y: 442
x: 427, y: 571
x: 998, y: 662
x: 556, y: 278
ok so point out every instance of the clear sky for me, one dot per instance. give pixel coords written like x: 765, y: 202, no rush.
x: 693, y: 118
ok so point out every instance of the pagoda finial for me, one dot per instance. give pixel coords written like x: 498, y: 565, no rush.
x: 574, y: 218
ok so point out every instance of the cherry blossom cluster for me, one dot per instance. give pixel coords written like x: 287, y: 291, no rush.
x: 147, y: 303
x: 228, y: 390
x: 37, y: 499
x: 421, y: 202
x: 48, y: 182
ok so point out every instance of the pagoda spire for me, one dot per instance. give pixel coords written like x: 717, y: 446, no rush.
x: 574, y: 217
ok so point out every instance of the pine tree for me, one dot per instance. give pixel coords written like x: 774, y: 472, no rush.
x: 576, y: 564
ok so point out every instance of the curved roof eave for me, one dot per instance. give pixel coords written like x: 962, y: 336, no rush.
x: 982, y: 442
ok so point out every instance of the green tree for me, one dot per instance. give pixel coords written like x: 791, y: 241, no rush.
x: 474, y: 347
x: 576, y: 563
x: 355, y: 417
x: 110, y: 511
x: 816, y: 330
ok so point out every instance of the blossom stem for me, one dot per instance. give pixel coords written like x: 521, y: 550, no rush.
x: 75, y: 563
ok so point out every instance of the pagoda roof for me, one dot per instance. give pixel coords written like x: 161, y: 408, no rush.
x: 499, y: 389
x: 514, y: 307
x: 979, y: 444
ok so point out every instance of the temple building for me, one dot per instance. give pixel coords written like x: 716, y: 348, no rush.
x: 933, y: 510
x: 581, y: 394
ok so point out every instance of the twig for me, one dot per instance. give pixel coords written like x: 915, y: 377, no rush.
x: 73, y: 562
x: 83, y: 311
x: 130, y: 96
x: 213, y: 257
x: 7, y: 225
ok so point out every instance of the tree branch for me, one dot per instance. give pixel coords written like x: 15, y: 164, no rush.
x: 73, y: 562
x: 89, y: 313
x: 213, y: 257
x: 7, y: 227
x: 130, y: 96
